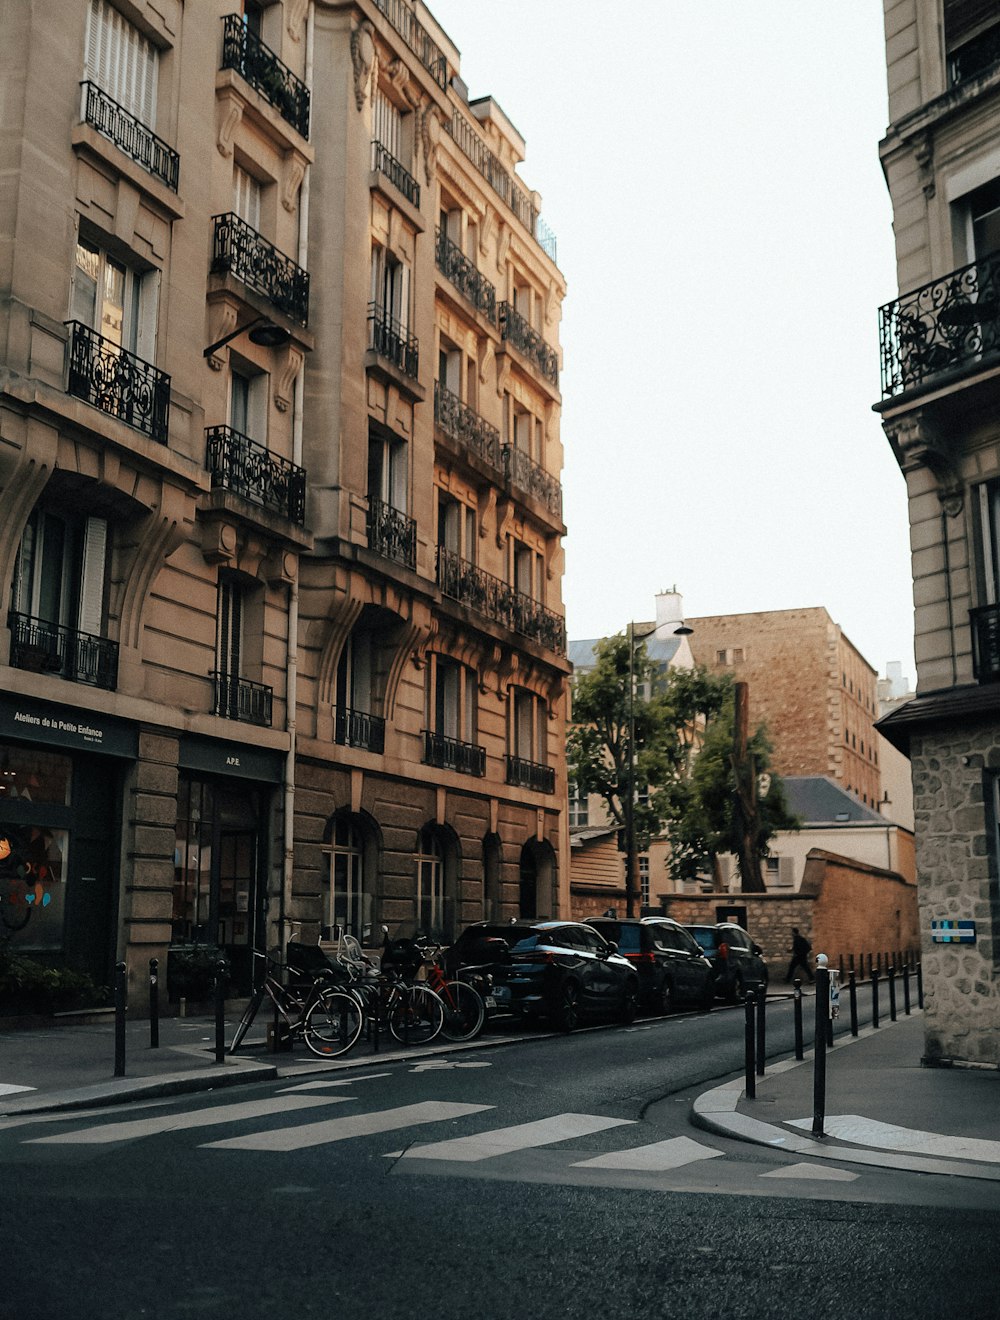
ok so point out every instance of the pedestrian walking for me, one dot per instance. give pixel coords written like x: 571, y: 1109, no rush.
x: 801, y: 949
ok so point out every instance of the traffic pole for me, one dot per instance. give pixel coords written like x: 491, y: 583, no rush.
x: 121, y: 998
x: 154, y: 1004
x: 750, y: 1086
x: 797, y: 1013
x: 819, y: 1045
x: 761, y: 1029
x: 852, y: 989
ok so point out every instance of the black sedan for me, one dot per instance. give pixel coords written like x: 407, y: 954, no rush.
x: 671, y: 966
x: 558, y: 970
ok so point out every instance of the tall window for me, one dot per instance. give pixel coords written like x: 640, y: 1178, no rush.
x: 579, y: 807
x: 452, y: 690
x: 986, y: 512
x: 229, y: 628
x: 348, y: 905
x: 354, y: 674
x: 61, y: 571
x: 388, y: 477
x: 527, y: 726
x: 644, y: 879
x: 390, y: 290
x: 248, y: 404
x: 121, y: 61
x: 456, y: 527
x: 116, y: 300
x: 430, y: 882
x: 387, y: 125
x: 526, y: 569
x: 246, y: 197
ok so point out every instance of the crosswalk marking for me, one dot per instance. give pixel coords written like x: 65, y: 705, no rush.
x: 657, y: 1158
x: 327, y: 1082
x: 339, y: 1129
x: 502, y: 1141
x: 8, y: 1088
x: 152, y: 1126
x: 863, y: 1131
x: 819, y: 1172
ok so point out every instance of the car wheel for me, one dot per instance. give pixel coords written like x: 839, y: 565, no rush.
x: 566, y: 1014
x: 630, y: 1004
x: 665, y: 999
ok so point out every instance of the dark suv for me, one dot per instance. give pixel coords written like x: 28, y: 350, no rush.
x: 737, y: 961
x: 671, y: 966
x: 560, y: 970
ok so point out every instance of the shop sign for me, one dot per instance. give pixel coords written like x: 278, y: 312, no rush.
x: 234, y: 760
x: 68, y: 727
x: 953, y: 932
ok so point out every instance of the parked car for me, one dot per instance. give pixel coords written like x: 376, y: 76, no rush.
x: 559, y: 970
x: 671, y: 966
x: 737, y: 961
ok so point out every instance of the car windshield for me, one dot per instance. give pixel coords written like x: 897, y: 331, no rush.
x: 626, y: 937
x: 706, y: 937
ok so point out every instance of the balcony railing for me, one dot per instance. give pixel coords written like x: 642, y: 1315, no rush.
x: 239, y: 699
x: 529, y: 774
x: 391, y: 340
x: 130, y: 135
x: 50, y: 649
x: 241, y: 251
x: 985, y: 625
x: 450, y: 754
x: 456, y: 267
x: 118, y: 382
x: 240, y: 464
x: 951, y: 323
x: 516, y: 330
x: 416, y: 36
x: 398, y: 175
x: 499, y: 601
x: 258, y: 65
x: 975, y: 57
x: 530, y: 477
x: 356, y: 728
x: 391, y: 533
x: 466, y: 427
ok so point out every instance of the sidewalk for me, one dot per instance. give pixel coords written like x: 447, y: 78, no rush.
x: 882, y: 1107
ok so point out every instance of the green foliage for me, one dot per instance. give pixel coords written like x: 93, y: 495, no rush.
x: 28, y: 986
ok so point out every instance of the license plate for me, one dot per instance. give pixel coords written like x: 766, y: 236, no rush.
x: 490, y: 1001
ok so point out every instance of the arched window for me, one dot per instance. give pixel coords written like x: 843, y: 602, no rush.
x: 492, y: 906
x: 349, y: 901
x: 528, y: 899
x: 430, y: 882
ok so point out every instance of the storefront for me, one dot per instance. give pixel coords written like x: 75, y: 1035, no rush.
x: 61, y: 776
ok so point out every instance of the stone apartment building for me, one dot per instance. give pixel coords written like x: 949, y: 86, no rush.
x: 279, y: 472
x: 940, y: 409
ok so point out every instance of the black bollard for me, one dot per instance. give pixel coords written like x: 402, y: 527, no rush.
x: 906, y: 989
x: 819, y: 1056
x: 154, y: 1005
x: 121, y: 999
x: 750, y: 1087
x: 797, y: 1005
x: 891, y: 973
x: 220, y: 1011
x: 761, y: 1029
x: 920, y: 984
x: 852, y: 991
x: 875, y: 996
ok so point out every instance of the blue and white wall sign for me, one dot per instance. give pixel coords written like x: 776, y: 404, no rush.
x: 953, y: 932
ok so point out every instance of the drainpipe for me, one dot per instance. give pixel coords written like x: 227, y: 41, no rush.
x: 291, y: 643
x: 947, y: 583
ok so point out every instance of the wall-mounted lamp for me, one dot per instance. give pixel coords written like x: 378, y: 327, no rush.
x: 261, y: 331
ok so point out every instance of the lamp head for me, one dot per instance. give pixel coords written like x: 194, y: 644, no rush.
x: 268, y: 335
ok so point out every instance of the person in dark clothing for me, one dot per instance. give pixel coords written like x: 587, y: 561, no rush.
x: 801, y: 948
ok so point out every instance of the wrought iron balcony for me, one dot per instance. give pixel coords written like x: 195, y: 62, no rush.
x: 130, y: 135
x: 516, y: 330
x: 258, y: 65
x: 499, y: 601
x: 356, y: 728
x: 975, y: 57
x: 953, y: 322
x: 522, y: 471
x: 398, y: 175
x: 65, y: 652
x: 118, y: 382
x: 466, y: 427
x: 239, y: 699
x: 391, y: 533
x: 985, y: 625
x: 240, y: 464
x: 456, y: 267
x: 390, y: 340
x: 492, y: 170
x: 416, y: 36
x: 529, y: 774
x: 450, y: 754
x: 244, y: 253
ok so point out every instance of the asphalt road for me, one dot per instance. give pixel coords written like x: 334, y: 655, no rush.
x: 552, y: 1178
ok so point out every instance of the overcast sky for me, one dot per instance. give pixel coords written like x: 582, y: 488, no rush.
x: 710, y: 169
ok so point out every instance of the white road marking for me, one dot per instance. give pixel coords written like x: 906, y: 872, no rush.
x: 435, y: 1065
x: 502, y: 1141
x: 809, y: 1172
x: 153, y: 1126
x: 661, y: 1155
x: 339, y: 1129
x: 863, y: 1131
x: 321, y: 1085
x: 8, y: 1088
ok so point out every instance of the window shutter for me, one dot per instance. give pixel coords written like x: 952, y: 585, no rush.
x: 121, y: 61
x: 90, y: 617
x: 230, y: 629
x: 786, y: 871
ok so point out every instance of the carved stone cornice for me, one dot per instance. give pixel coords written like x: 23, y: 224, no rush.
x: 917, y: 443
x: 363, y: 59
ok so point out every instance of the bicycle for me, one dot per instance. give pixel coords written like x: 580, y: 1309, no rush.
x: 327, y: 1018
x: 464, y: 1009
x: 412, y: 1011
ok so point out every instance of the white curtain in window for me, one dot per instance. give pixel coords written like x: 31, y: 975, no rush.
x: 121, y: 61
x: 387, y: 125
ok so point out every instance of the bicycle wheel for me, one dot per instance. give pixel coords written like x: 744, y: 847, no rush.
x: 464, y: 1012
x: 416, y: 1014
x: 249, y: 1013
x: 333, y: 1024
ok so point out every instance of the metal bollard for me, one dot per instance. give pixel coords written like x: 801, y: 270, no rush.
x: 750, y: 1086
x: 819, y: 1055
x: 875, y: 979
x: 761, y: 1049
x: 797, y: 1007
x: 154, y: 1005
x: 920, y: 984
x: 220, y: 1011
x: 906, y: 989
x: 891, y: 973
x: 121, y: 1000
x: 852, y: 991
